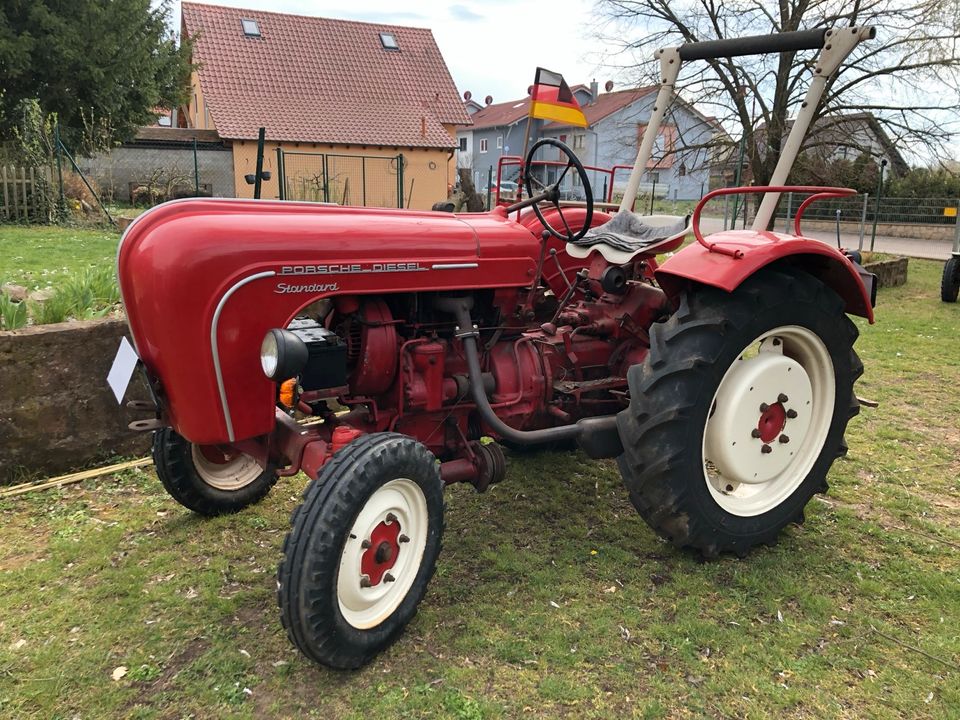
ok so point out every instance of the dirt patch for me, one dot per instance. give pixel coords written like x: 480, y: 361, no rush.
x: 56, y: 411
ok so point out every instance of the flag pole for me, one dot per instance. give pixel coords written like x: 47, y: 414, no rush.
x: 523, y: 157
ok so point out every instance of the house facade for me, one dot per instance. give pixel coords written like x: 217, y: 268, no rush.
x: 333, y: 94
x: 679, y: 168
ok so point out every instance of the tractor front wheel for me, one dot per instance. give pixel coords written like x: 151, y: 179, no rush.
x: 950, y: 282
x: 361, y: 550
x: 209, y: 479
x: 739, y: 411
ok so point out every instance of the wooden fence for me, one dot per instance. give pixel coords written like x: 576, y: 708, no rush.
x: 22, y: 195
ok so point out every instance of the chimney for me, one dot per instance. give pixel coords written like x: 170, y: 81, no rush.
x: 594, y: 90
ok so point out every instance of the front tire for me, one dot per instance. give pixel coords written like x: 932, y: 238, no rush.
x: 209, y: 479
x: 739, y: 411
x: 362, y: 549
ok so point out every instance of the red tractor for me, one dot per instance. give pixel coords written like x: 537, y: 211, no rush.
x: 721, y: 380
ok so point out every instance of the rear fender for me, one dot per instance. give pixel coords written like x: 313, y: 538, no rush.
x: 698, y: 264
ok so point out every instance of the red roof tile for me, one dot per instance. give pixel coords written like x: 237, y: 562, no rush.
x: 501, y: 114
x: 311, y: 79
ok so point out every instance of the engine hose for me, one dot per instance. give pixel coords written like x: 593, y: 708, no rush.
x: 597, y: 436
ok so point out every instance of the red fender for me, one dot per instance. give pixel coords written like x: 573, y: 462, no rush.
x: 698, y: 264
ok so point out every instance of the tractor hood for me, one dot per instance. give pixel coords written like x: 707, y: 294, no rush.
x: 203, y: 280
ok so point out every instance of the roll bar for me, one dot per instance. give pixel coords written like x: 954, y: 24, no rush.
x: 754, y: 45
x: 836, y: 43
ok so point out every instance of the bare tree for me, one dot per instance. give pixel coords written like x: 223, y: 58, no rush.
x: 908, y: 77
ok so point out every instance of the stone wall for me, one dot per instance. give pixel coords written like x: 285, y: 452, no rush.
x: 890, y: 273
x: 903, y: 230
x: 56, y: 411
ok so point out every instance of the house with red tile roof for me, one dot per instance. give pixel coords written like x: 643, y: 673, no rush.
x: 679, y: 168
x: 336, y: 88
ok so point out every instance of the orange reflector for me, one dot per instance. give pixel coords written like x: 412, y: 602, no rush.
x: 287, y: 392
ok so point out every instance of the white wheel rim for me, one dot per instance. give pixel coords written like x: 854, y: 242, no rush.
x: 399, y: 507
x: 757, y: 446
x: 236, y: 472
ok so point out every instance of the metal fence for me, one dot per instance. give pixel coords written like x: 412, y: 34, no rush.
x: 892, y: 210
x: 362, y: 180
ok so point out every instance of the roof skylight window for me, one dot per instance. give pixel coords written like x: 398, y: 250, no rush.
x: 389, y: 41
x: 250, y: 28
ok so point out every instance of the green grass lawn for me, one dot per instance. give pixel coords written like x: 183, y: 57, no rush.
x: 552, y: 598
x: 40, y: 255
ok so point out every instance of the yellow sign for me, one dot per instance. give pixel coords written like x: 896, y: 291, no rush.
x: 949, y: 212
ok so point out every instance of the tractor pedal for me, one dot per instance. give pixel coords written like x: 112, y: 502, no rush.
x: 146, y: 425
x: 141, y: 406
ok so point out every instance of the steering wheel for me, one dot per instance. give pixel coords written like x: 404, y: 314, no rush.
x: 551, y: 193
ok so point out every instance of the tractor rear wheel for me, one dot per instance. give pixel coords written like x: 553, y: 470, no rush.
x: 361, y: 550
x: 950, y: 283
x: 739, y: 411
x: 209, y: 479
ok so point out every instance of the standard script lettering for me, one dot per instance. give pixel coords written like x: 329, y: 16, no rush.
x: 285, y: 288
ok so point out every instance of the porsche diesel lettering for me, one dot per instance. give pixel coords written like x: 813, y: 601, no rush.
x: 347, y: 269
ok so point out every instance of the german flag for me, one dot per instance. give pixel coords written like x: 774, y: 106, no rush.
x: 552, y: 100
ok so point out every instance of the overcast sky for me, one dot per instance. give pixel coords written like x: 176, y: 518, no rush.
x: 492, y: 47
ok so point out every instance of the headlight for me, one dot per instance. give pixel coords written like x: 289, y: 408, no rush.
x: 282, y: 355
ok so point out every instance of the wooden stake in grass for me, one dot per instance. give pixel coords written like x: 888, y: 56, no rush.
x: 76, y: 477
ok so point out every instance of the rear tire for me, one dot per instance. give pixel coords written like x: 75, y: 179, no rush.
x: 717, y: 456
x: 950, y: 283
x: 362, y: 549
x: 206, y: 479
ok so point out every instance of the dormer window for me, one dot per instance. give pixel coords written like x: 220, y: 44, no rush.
x: 389, y: 41
x: 250, y: 28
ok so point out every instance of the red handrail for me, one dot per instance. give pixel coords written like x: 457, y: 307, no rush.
x: 819, y: 193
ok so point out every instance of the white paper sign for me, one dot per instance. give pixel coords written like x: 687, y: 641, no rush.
x: 122, y: 371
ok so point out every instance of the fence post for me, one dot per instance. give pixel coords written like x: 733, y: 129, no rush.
x: 653, y: 193
x: 489, y: 183
x: 863, y: 219
x: 6, y: 199
x: 605, y: 198
x: 326, y: 185
x: 726, y: 202
x: 786, y: 222
x: 363, y: 178
x: 196, y: 170
x: 16, y: 199
x: 281, y: 175
x: 876, y: 206
x: 400, y: 178
x: 62, y: 209
x: 956, y: 227
x: 261, y: 136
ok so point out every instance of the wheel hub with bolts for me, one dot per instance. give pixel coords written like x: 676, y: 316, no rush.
x: 382, y: 553
x: 761, y: 439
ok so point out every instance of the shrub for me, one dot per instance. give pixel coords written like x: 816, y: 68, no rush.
x: 13, y: 315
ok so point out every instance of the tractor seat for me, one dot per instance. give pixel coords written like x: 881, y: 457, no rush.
x: 627, y: 235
